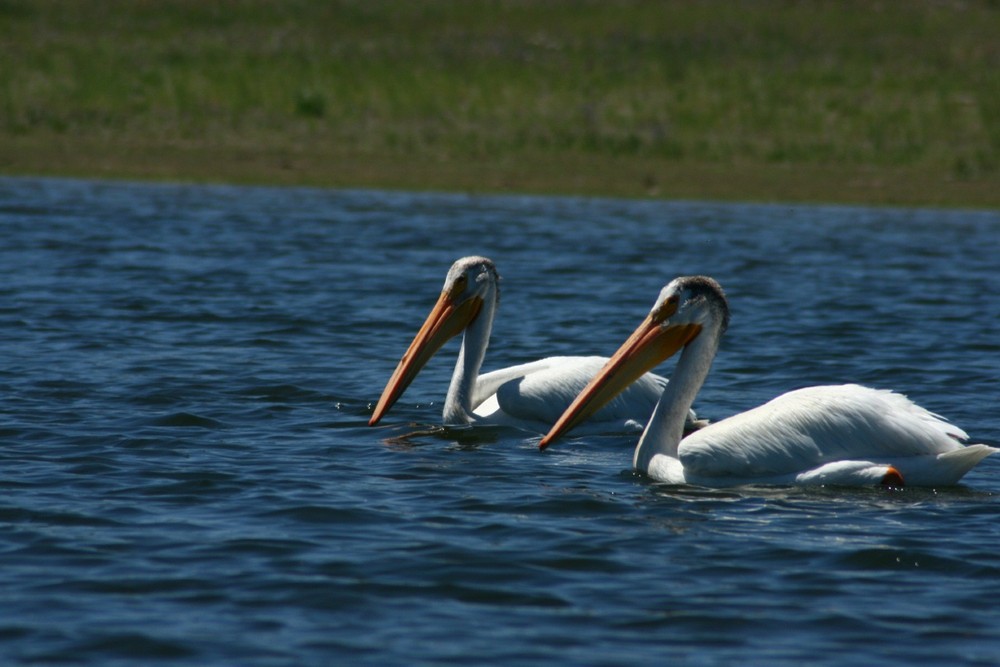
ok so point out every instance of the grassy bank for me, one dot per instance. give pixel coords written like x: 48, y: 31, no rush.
x: 889, y: 102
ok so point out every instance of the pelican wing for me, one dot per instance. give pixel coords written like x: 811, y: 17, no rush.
x: 809, y: 427
x: 543, y: 389
x: 488, y: 384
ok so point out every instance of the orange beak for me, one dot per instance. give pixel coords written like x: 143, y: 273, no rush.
x: 446, y: 320
x: 647, y: 347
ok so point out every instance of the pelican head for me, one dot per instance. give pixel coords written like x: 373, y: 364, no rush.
x: 684, y: 308
x: 471, y: 282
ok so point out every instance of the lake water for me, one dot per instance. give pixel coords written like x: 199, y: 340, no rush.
x: 188, y: 478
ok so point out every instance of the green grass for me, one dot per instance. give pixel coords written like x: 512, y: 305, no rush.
x: 888, y: 102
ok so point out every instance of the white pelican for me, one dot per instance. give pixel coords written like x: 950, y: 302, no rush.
x: 530, y: 395
x: 840, y: 435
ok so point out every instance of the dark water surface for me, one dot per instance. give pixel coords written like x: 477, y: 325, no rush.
x: 187, y: 477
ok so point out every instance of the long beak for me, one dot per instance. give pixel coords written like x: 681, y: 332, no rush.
x: 647, y: 347
x: 446, y: 320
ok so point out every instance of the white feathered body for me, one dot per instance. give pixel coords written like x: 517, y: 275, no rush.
x: 539, y: 391
x: 842, y: 434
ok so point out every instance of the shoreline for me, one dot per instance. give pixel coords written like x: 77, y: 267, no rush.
x: 853, y: 103
x: 573, y: 174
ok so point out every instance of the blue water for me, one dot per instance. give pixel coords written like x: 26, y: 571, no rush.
x: 187, y: 477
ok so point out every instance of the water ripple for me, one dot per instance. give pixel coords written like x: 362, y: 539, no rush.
x: 189, y: 477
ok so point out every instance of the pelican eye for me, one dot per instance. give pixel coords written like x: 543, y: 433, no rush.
x: 667, y: 308
x: 459, y: 285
